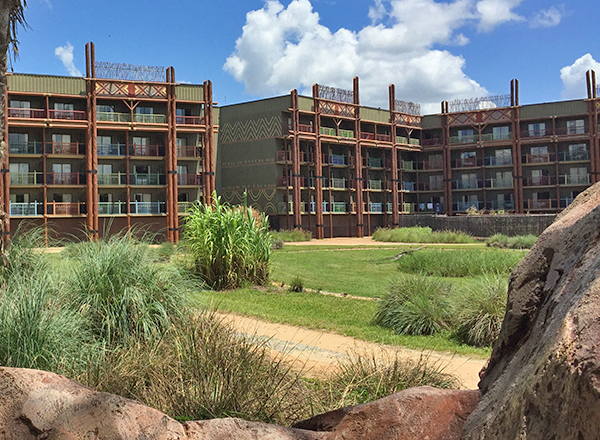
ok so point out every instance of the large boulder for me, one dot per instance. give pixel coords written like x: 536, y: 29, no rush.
x: 413, y: 414
x: 543, y: 377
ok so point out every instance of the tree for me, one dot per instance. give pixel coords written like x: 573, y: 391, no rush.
x: 11, y: 18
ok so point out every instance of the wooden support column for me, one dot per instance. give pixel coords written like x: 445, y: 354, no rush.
x: 360, y: 227
x: 593, y: 106
x: 296, y: 197
x: 516, y: 148
x: 395, y: 174
x: 171, y: 160
x: 5, y: 180
x: 209, y: 155
x: 90, y: 146
x: 318, y: 167
x: 446, y: 159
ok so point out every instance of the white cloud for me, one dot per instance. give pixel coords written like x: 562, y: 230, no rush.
x: 573, y: 77
x: 65, y: 54
x: 492, y: 13
x: 547, y: 17
x: 282, y: 48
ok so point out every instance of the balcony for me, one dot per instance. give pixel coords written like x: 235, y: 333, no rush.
x: 574, y: 179
x: 60, y: 208
x: 112, y: 208
x: 147, y: 208
x: 466, y: 184
x: 149, y: 119
x: 304, y: 128
x: 407, y: 208
x: 283, y: 156
x: 571, y: 131
x: 338, y: 207
x: 337, y: 159
x: 432, y: 142
x: 367, y: 135
x: 431, y: 186
x: 327, y: 131
x: 539, y: 158
x: 339, y: 183
x: 566, y: 201
x: 540, y: 204
x: 26, y: 209
x: 382, y: 137
x: 184, y: 207
x: 146, y: 150
x: 493, y: 161
x: 32, y: 147
x: 348, y: 134
x: 494, y: 205
x: 408, y: 186
x: 464, y: 206
x: 112, y: 179
x: 284, y: 181
x: 430, y: 165
x: 31, y: 178
x: 376, y: 185
x: 564, y: 156
x: 147, y: 179
x: 307, y: 157
x: 113, y: 117
x: 26, y: 113
x: 189, y: 151
x: 467, y: 139
x: 112, y: 150
x: 375, y: 207
x: 407, y: 165
x: 539, y: 181
x: 487, y: 137
x: 373, y: 162
x: 499, y: 183
x: 539, y: 133
x: 189, y: 179
x: 65, y: 178
x: 188, y: 120
x: 65, y: 148
x: 70, y: 115
x: 466, y: 162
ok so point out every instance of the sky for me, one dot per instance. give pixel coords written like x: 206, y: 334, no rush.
x: 432, y: 50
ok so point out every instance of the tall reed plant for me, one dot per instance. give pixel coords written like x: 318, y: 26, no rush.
x: 230, y: 246
x: 419, y: 234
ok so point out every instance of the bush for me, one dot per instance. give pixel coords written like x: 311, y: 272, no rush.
x: 516, y: 242
x: 480, y: 310
x: 122, y: 292
x: 277, y: 243
x: 229, y: 246
x: 459, y: 262
x: 288, y: 235
x: 418, y: 234
x: 296, y: 285
x: 417, y: 305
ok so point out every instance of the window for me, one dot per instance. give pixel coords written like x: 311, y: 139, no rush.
x: 465, y: 136
x: 468, y: 181
x: 106, y: 113
x: 181, y: 142
x: 435, y: 182
x: 144, y: 114
x: 61, y: 138
x: 576, y: 127
x: 503, y: 157
x: 20, y: 109
x: 63, y: 110
x: 61, y: 144
x: 537, y: 129
x: 500, y: 133
x: 105, y: 108
x: 578, y: 152
x: 539, y: 155
x: 578, y: 176
x: 105, y: 168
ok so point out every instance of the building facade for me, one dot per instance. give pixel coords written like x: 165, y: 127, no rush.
x: 125, y: 146
x: 327, y: 164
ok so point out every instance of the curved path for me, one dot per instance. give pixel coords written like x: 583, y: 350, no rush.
x: 319, y: 352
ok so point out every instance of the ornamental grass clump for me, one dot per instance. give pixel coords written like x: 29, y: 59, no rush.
x: 230, y: 246
x: 419, y: 234
x: 516, y: 242
x: 415, y: 305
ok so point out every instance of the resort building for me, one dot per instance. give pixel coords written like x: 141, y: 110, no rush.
x: 332, y: 166
x: 125, y: 146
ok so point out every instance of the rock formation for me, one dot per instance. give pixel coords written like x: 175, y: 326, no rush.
x: 543, y: 377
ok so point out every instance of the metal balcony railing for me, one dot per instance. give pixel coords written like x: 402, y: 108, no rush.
x: 407, y: 165
x: 492, y: 161
x: 189, y: 179
x: 571, y: 131
x: 367, y: 135
x: 26, y: 113
x: 189, y: 120
x: 375, y: 207
x: 113, y: 117
x: 466, y: 162
x: 149, y: 119
x: 65, y: 148
x: 486, y: 137
x: 408, y: 186
x: 539, y: 181
x: 467, y: 184
x: 337, y: 159
x: 147, y: 207
x: 339, y: 183
x: 540, y: 204
x: 65, y: 178
x: 383, y: 137
x: 338, y: 206
x: 146, y: 179
x: 564, y: 156
x: 31, y: 147
x: 71, y: 115
x: 327, y: 131
x: 407, y: 208
x: 146, y: 150
x: 373, y: 162
x: 468, y: 139
x: 26, y: 209
x: 543, y: 132
x: 61, y: 208
x: 348, y: 134
x: 189, y: 151
x: 112, y: 179
x: 499, y: 183
x: 574, y: 179
x: 374, y: 184
x: 495, y: 205
x: 306, y: 128
x: 464, y: 206
x: 30, y: 178
x: 112, y: 150
x: 112, y: 208
x: 539, y: 158
x: 431, y: 186
x: 183, y: 207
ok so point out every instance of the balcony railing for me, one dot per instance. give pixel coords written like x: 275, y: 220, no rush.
x: 189, y: 179
x: 31, y: 147
x: 468, y: 139
x: 431, y: 186
x: 466, y: 162
x: 112, y: 179
x: 383, y: 137
x: 113, y: 117
x: 327, y: 131
x: 367, y: 135
x: 112, y: 150
x: 464, y: 206
x: 189, y: 120
x: 571, y: 131
x: 539, y: 158
x: 374, y: 184
x: 539, y: 181
x: 338, y: 206
x: 375, y: 207
x: 26, y: 209
x: 61, y: 208
x: 466, y: 184
x: 408, y: 186
x: 149, y: 119
x: 189, y: 151
x: 407, y: 208
x: 146, y: 179
x: 306, y: 128
x: 337, y: 159
x: 183, y: 207
x: 283, y: 156
x: 407, y: 165
x: 493, y: 161
x: 146, y: 150
x: 65, y: 178
x: 339, y: 183
x: 566, y: 201
x: 348, y: 134
x: 540, y: 204
x: 574, y: 179
x: 543, y: 132
x: 30, y: 178
x: 495, y: 205
x: 147, y: 208
x: 430, y: 165
x: 496, y: 137
x: 112, y: 208
x: 27, y: 113
x: 499, y: 183
x: 71, y: 115
x: 432, y: 142
x: 564, y: 156
x: 373, y: 162
x: 65, y: 148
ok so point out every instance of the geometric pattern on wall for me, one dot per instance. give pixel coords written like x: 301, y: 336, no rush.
x: 115, y: 88
x: 261, y: 128
x: 486, y: 116
x: 260, y: 199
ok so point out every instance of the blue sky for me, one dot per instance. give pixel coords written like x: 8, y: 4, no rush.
x: 432, y: 50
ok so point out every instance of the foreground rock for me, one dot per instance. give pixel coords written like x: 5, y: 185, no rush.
x: 543, y: 377
x: 413, y: 414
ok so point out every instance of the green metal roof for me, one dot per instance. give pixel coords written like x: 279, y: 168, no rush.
x: 64, y: 85
x: 546, y: 110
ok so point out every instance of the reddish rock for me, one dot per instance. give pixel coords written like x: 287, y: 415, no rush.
x: 238, y: 429
x: 543, y: 377
x: 414, y: 414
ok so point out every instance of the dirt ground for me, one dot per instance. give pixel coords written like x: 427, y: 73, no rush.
x: 319, y: 352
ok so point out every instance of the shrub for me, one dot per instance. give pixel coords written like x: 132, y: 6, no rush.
x: 296, y: 285
x: 516, y: 242
x: 277, y: 243
x: 416, y: 305
x: 121, y: 290
x: 418, y: 234
x: 459, y: 262
x: 288, y: 235
x: 229, y: 246
x: 480, y: 310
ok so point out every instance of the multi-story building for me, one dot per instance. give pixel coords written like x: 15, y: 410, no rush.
x: 330, y: 165
x: 124, y: 146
